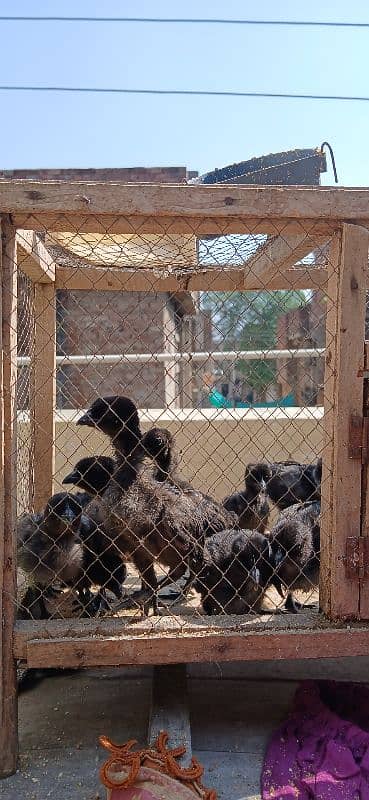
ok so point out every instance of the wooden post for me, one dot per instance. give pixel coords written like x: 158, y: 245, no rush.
x: 343, y: 402
x: 364, y: 578
x: 170, y: 708
x: 8, y: 449
x: 43, y: 392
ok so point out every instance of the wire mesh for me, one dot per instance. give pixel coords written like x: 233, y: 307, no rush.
x: 188, y: 429
x: 25, y: 345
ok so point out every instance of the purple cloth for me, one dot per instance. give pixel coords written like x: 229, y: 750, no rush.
x: 320, y: 752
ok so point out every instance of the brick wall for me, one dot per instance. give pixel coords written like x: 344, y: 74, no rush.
x: 126, y: 174
x: 112, y: 323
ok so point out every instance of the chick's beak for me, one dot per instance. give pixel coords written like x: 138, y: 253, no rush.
x: 71, y: 478
x: 86, y: 419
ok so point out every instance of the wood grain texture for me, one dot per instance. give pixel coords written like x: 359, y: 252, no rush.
x: 363, y: 584
x: 279, y: 253
x: 192, y: 647
x: 8, y: 446
x: 341, y: 484
x: 214, y: 278
x: 33, y: 258
x: 180, y: 199
x: 170, y: 223
x: 43, y: 392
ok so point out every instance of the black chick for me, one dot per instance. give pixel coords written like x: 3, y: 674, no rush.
x: 250, y: 505
x: 236, y: 571
x: 147, y: 519
x: 92, y: 475
x: 48, y: 545
x: 102, y: 562
x: 49, y: 549
x: 160, y: 446
x: 295, y: 543
x: 288, y: 482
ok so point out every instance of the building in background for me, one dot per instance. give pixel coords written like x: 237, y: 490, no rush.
x: 119, y: 323
x: 303, y: 328
x: 109, y: 323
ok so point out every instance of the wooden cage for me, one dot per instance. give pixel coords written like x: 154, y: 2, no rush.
x: 295, y: 220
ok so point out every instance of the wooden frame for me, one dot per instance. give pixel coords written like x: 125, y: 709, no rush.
x: 43, y: 392
x: 214, y: 278
x: 345, y: 328
x: 124, y: 648
x: 278, y: 254
x: 222, y: 202
x: 33, y: 257
x: 8, y: 451
x: 303, y: 217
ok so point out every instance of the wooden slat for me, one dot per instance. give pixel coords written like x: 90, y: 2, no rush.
x: 209, y: 646
x: 170, y: 708
x: 113, y: 627
x: 363, y: 585
x: 212, y: 279
x: 139, y: 224
x: 341, y: 498
x: 279, y: 253
x: 33, y: 258
x: 43, y: 392
x: 183, y: 200
x: 8, y: 446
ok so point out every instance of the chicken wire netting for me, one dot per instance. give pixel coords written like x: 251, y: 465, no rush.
x: 188, y: 428
x: 25, y: 344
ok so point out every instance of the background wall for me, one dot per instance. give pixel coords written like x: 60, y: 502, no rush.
x: 215, y: 445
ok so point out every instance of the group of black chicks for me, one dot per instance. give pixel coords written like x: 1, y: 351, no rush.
x: 125, y: 512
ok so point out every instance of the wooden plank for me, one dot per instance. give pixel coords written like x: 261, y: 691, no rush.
x: 8, y: 445
x: 170, y: 708
x: 212, y: 279
x: 33, y: 257
x: 190, y: 648
x: 341, y: 485
x: 222, y: 200
x: 199, y: 226
x: 43, y: 392
x: 198, y: 625
x: 363, y: 584
x: 278, y: 253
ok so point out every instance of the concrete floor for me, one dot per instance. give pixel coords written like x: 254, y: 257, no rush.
x: 234, y: 710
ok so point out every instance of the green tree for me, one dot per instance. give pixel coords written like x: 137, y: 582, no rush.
x: 248, y: 321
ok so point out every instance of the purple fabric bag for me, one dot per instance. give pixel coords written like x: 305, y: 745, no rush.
x: 321, y: 752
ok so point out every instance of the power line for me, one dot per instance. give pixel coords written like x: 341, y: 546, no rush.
x: 190, y: 21
x: 185, y: 92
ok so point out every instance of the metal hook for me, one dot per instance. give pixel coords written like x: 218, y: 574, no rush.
x: 326, y: 144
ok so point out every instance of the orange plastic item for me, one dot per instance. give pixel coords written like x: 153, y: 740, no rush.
x: 151, y: 774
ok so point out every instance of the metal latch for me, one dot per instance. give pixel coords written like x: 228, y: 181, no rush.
x: 357, y: 557
x: 358, y: 444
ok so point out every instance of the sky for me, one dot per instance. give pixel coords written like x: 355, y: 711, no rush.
x: 61, y: 130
